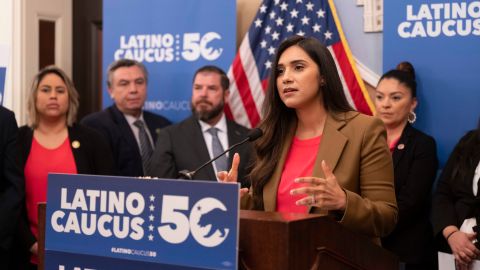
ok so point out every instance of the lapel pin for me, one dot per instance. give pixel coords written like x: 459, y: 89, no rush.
x: 157, y: 130
x: 401, y: 146
x: 76, y: 144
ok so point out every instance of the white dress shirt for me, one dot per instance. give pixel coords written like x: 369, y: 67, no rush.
x: 222, y: 136
x: 131, y: 120
x: 468, y: 224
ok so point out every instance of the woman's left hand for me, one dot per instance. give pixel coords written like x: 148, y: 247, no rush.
x: 324, y: 193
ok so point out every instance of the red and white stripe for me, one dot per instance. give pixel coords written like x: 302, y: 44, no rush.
x: 246, y: 91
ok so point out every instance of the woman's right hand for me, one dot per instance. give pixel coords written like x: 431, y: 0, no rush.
x: 462, y: 247
x: 232, y: 175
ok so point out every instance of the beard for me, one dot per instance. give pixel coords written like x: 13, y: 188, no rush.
x: 207, y: 114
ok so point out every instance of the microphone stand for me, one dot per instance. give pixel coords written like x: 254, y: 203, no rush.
x: 188, y: 175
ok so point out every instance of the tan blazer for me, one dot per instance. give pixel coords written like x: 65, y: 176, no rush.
x: 355, y: 148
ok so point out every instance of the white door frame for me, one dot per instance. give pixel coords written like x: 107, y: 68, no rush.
x: 25, y: 45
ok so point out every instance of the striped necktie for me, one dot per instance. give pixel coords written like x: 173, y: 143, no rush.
x: 145, y: 145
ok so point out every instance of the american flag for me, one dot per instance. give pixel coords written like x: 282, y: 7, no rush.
x: 275, y: 21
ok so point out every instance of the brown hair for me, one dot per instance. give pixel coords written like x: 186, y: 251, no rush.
x: 224, y: 81
x: 73, y: 102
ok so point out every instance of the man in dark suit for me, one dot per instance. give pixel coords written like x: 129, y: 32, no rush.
x: 131, y: 131
x: 11, y: 185
x: 195, y: 140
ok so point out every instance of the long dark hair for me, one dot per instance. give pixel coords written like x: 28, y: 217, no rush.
x: 468, y: 154
x: 404, y: 74
x: 279, y: 120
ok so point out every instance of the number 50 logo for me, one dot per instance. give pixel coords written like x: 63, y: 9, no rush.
x: 194, y: 46
x: 206, y: 221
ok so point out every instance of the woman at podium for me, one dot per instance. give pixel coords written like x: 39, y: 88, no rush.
x: 53, y: 143
x: 317, y: 154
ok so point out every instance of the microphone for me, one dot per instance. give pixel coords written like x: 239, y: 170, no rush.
x: 251, y: 136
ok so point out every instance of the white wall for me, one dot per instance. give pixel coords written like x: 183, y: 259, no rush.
x: 6, y: 30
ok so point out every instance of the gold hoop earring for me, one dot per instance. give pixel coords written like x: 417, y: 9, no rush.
x: 412, y: 117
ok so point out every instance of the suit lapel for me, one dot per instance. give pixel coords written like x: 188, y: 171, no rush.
x: 331, y: 146
x: 125, y: 129
x: 151, y: 127
x: 402, y: 145
x: 200, y: 148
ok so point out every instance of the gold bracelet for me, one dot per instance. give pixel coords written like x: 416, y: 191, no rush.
x: 450, y: 234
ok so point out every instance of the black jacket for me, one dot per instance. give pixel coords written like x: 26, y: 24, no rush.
x: 415, y: 167
x: 182, y: 147
x: 92, y: 157
x: 11, y: 185
x: 454, y: 200
x: 113, y: 125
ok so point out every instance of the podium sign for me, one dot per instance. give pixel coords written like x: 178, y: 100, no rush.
x: 100, y: 222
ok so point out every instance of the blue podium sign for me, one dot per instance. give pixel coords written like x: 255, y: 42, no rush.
x: 100, y: 222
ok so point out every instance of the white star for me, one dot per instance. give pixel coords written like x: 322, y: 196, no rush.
x: 150, y: 228
x: 263, y: 44
x: 151, y: 217
x: 290, y: 27
x: 258, y: 22
x: 150, y: 237
x: 268, y: 64
x: 316, y: 27
x: 272, y: 15
x: 279, y: 21
x: 152, y: 207
x: 328, y: 35
x: 298, y: 1
x: 267, y: 30
x: 152, y: 198
x: 277, y: 2
x: 263, y: 9
x: 301, y: 33
x: 284, y: 6
x: 271, y: 50
x: 321, y: 13
x: 305, y: 20
x: 294, y: 13
x: 310, y: 6
x: 275, y: 35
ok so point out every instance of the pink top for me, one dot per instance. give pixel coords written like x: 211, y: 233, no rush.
x: 393, y: 144
x: 299, y: 163
x: 40, y: 162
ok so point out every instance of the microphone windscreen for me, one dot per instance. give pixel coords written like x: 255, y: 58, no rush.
x: 254, y: 134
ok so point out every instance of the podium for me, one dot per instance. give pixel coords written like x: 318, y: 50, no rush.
x: 270, y: 240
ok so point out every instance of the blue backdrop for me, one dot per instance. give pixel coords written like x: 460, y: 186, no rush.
x: 442, y: 40
x: 3, y: 71
x: 173, y: 39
